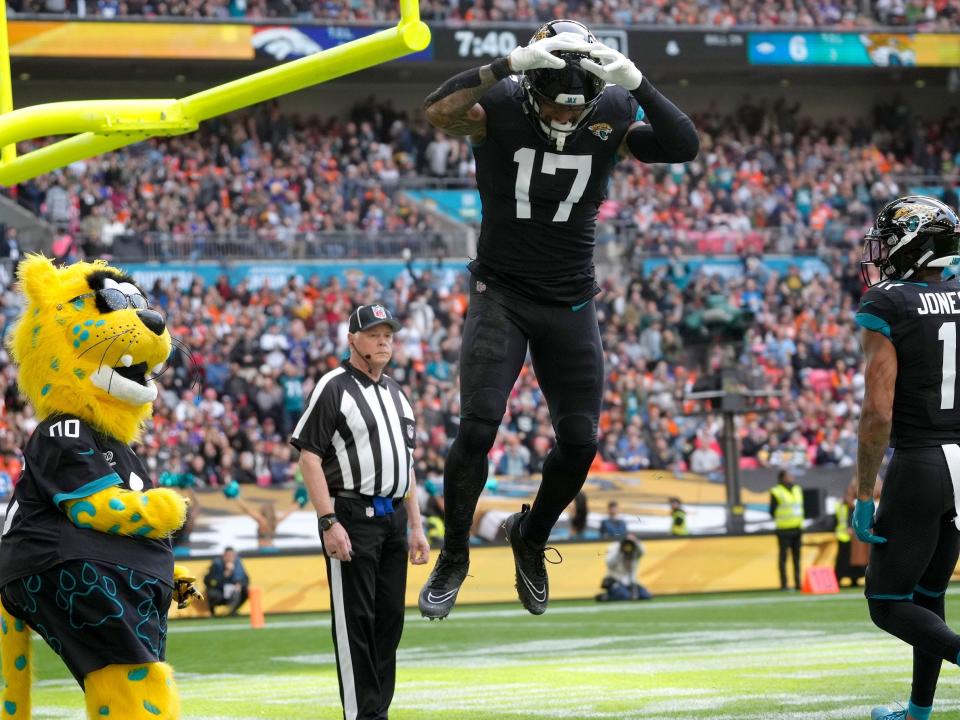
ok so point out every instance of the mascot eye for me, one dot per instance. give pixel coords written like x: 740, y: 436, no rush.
x: 116, y: 300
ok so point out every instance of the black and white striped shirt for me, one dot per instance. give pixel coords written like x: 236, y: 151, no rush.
x: 363, y: 431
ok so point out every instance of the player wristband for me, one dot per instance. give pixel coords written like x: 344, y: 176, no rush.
x: 501, y: 68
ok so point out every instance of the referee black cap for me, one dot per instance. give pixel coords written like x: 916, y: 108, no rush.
x: 367, y: 316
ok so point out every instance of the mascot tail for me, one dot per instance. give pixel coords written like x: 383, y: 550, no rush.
x: 15, y: 659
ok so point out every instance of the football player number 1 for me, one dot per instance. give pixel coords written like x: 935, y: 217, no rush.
x: 948, y: 374
x: 526, y: 157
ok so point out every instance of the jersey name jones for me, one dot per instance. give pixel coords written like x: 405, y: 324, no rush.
x: 941, y: 303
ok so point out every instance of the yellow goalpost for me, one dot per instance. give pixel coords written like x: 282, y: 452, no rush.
x: 99, y: 126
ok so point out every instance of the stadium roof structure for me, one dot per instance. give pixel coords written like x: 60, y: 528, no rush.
x: 99, y: 126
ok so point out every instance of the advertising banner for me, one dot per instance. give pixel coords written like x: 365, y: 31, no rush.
x: 183, y: 41
x: 677, y: 49
x: 155, y: 41
x: 289, y: 42
x: 855, y: 49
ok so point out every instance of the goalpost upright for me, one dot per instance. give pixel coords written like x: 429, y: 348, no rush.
x: 99, y: 126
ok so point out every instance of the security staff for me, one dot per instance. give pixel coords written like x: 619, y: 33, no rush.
x: 844, y: 566
x: 678, y: 518
x: 786, y: 507
x: 356, y: 440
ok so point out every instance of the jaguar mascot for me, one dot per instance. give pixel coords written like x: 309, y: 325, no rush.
x: 85, y: 554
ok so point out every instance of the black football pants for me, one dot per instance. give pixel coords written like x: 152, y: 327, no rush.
x: 908, y: 575
x: 789, y: 542
x: 567, y: 355
x: 367, y: 603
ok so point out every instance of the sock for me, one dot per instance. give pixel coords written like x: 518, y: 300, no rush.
x: 917, y: 712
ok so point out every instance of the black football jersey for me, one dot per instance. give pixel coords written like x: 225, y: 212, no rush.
x: 539, y: 204
x: 921, y: 320
x: 66, y: 459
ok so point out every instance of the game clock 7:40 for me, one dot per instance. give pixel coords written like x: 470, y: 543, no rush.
x: 490, y: 44
x: 499, y: 43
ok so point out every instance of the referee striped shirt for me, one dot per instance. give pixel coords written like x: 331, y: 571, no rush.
x: 363, y: 431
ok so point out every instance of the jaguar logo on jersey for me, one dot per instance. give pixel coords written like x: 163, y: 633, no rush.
x: 379, y: 312
x: 601, y: 129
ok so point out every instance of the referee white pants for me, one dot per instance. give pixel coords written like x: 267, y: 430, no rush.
x: 367, y: 604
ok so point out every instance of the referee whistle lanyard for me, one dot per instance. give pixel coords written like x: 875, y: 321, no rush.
x: 382, y: 506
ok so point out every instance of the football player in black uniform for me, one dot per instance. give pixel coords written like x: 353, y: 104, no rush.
x: 909, y: 318
x: 547, y: 124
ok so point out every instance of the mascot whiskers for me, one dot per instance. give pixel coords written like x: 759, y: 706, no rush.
x: 85, y: 555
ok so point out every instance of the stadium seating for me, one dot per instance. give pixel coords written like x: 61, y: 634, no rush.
x: 715, y: 13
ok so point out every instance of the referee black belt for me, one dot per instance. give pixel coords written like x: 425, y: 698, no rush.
x: 381, y: 505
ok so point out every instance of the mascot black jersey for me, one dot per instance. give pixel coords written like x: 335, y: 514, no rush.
x: 921, y: 321
x: 65, y: 459
x: 540, y: 205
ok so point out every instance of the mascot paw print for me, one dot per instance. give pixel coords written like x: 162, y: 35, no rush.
x: 89, y: 599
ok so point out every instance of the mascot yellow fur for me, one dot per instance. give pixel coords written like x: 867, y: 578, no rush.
x: 85, y: 555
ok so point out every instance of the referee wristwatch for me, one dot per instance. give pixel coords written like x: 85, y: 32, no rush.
x: 327, y: 522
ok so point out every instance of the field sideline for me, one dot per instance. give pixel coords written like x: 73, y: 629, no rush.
x: 757, y: 656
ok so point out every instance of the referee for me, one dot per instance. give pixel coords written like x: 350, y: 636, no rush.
x: 356, y: 441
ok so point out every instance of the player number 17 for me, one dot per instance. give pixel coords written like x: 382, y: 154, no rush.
x: 525, y: 158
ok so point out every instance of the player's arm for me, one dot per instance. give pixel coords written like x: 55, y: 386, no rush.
x: 876, y: 418
x: 670, y: 135
x: 454, y: 107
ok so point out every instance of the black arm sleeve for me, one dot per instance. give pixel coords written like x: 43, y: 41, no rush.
x: 670, y: 136
x: 466, y: 79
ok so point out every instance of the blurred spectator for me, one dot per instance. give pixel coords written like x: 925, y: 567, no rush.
x: 578, y: 518
x: 515, y: 460
x: 613, y: 526
x: 836, y: 14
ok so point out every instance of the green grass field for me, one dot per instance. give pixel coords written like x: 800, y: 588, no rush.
x: 760, y: 656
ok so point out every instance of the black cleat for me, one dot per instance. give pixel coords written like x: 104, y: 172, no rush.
x: 532, y: 585
x: 440, y: 591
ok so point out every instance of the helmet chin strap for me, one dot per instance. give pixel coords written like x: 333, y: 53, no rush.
x: 558, y: 132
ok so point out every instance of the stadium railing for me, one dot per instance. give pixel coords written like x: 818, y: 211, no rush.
x: 274, y: 244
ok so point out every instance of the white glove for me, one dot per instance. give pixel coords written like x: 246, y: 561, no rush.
x: 537, y: 54
x: 614, y: 67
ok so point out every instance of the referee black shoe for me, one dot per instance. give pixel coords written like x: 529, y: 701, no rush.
x: 440, y: 591
x: 532, y: 585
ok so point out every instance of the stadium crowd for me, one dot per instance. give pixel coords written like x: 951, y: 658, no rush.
x: 767, y: 178
x: 251, y: 355
x: 925, y: 14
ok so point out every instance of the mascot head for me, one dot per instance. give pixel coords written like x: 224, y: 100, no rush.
x: 87, y: 344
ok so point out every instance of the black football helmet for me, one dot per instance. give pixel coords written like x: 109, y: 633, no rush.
x: 909, y: 234
x: 570, y: 86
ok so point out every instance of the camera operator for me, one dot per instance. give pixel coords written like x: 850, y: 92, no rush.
x: 623, y: 561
